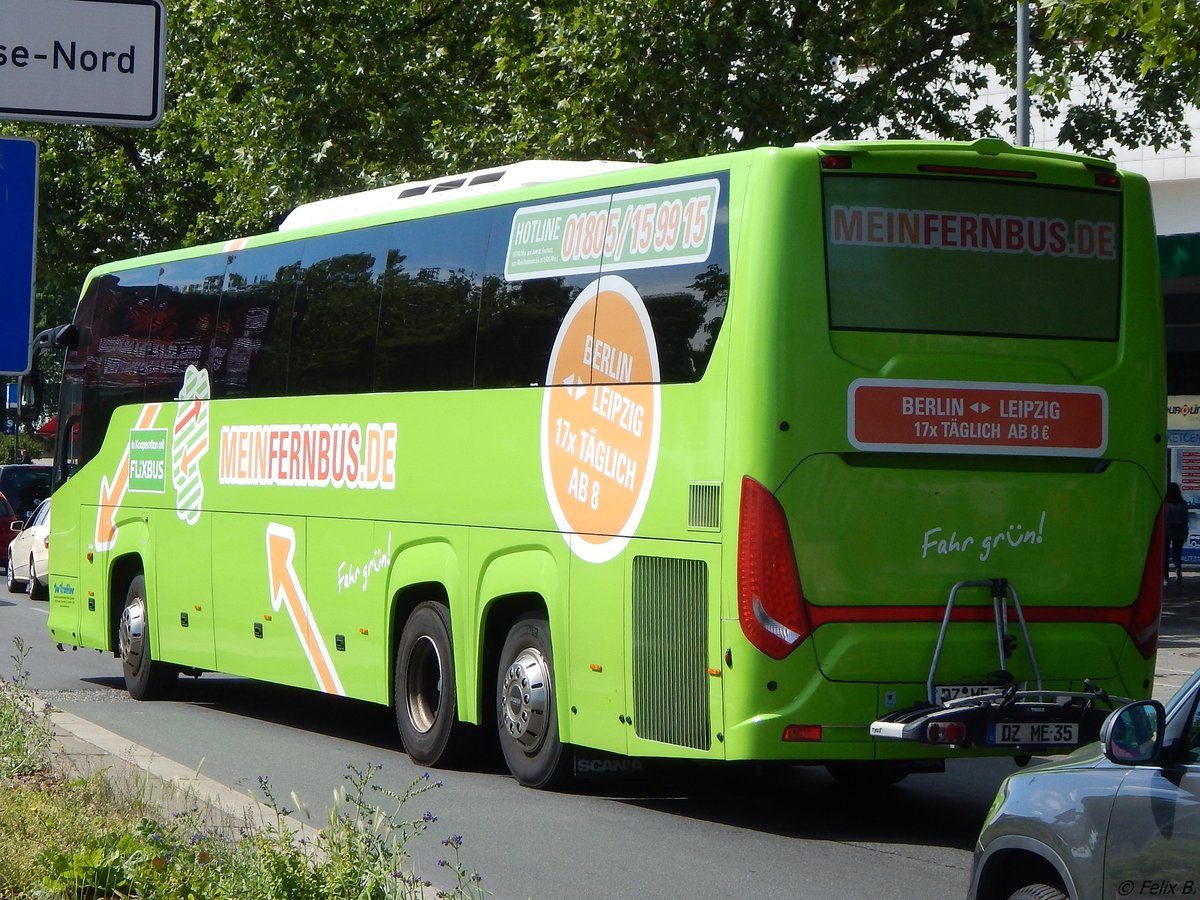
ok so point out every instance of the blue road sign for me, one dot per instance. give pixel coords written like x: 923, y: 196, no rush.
x: 18, y: 233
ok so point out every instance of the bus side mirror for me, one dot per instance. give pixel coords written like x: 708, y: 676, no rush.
x: 1133, y: 734
x: 50, y: 339
x: 30, y: 389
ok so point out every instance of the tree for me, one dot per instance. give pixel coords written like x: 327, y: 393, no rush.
x: 1125, y: 71
x: 273, y: 104
x: 1165, y: 34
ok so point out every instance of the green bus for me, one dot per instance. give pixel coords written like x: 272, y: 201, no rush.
x: 722, y: 459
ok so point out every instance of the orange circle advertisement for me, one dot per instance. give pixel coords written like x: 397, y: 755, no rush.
x: 600, y: 419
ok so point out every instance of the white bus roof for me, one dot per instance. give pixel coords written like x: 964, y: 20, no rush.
x: 415, y: 193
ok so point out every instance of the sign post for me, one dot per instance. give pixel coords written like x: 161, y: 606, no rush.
x: 99, y: 62
x: 1183, y: 465
x: 18, y: 230
x: 10, y: 408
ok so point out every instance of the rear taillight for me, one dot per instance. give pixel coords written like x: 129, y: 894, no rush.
x: 946, y: 732
x: 1147, y: 608
x: 771, y: 603
x: 802, y: 733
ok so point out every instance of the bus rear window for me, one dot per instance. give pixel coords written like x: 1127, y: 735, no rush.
x: 957, y: 256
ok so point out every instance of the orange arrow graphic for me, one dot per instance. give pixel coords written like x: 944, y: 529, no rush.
x: 113, y: 492
x: 286, y: 589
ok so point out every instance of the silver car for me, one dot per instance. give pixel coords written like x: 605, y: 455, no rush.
x: 1116, y: 819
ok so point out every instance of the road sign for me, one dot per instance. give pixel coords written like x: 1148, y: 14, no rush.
x: 18, y: 229
x: 977, y: 417
x: 9, y: 414
x: 94, y: 61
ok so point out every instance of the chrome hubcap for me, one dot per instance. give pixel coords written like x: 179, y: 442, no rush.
x: 525, y: 699
x: 131, y: 632
x: 423, y: 685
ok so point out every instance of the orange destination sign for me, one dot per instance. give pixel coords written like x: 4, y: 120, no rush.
x: 977, y: 417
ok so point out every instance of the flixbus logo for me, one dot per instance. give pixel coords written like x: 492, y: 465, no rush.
x: 148, y: 461
x: 64, y: 590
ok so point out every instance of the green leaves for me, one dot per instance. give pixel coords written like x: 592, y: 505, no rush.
x: 271, y: 105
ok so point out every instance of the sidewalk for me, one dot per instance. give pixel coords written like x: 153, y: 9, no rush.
x: 1179, y: 635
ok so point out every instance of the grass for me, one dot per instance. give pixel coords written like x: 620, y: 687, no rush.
x: 90, y: 839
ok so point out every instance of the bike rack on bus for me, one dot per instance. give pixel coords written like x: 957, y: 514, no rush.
x: 1002, y: 592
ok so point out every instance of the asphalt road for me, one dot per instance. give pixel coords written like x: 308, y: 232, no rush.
x: 687, y: 833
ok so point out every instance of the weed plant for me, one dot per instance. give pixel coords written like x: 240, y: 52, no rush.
x: 360, y: 855
x: 84, y: 839
x: 25, y: 733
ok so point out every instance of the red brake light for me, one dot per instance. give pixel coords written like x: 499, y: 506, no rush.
x: 1147, y: 608
x: 837, y: 161
x: 947, y: 732
x: 976, y: 170
x: 802, y: 733
x: 771, y: 603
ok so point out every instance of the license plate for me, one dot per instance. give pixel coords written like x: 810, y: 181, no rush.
x: 1035, y: 733
x: 945, y: 692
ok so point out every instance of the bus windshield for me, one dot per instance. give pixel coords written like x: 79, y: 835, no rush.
x: 963, y: 256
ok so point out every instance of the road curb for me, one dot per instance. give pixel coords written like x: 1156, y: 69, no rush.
x: 81, y: 748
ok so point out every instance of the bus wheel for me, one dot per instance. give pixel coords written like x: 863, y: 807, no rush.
x: 426, y: 699
x: 525, y: 713
x: 145, y: 678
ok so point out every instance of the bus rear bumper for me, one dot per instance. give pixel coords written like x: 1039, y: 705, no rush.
x: 1026, y: 722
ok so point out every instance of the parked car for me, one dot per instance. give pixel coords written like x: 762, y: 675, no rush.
x: 7, y: 518
x: 25, y: 485
x: 1118, y: 818
x: 28, y: 555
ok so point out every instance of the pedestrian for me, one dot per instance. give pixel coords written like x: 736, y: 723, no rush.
x: 25, y: 457
x: 1175, y: 511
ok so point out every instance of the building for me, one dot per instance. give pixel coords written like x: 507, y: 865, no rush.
x: 1174, y: 176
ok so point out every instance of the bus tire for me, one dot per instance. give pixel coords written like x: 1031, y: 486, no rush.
x: 525, y: 711
x: 145, y: 677
x: 426, y: 697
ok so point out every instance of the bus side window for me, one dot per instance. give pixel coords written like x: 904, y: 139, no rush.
x: 519, y: 320
x: 336, y: 315
x: 182, y: 323
x: 250, y: 347
x: 430, y: 306
x: 114, y: 361
x: 686, y: 305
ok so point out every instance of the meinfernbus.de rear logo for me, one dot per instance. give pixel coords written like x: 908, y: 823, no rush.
x: 977, y: 417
